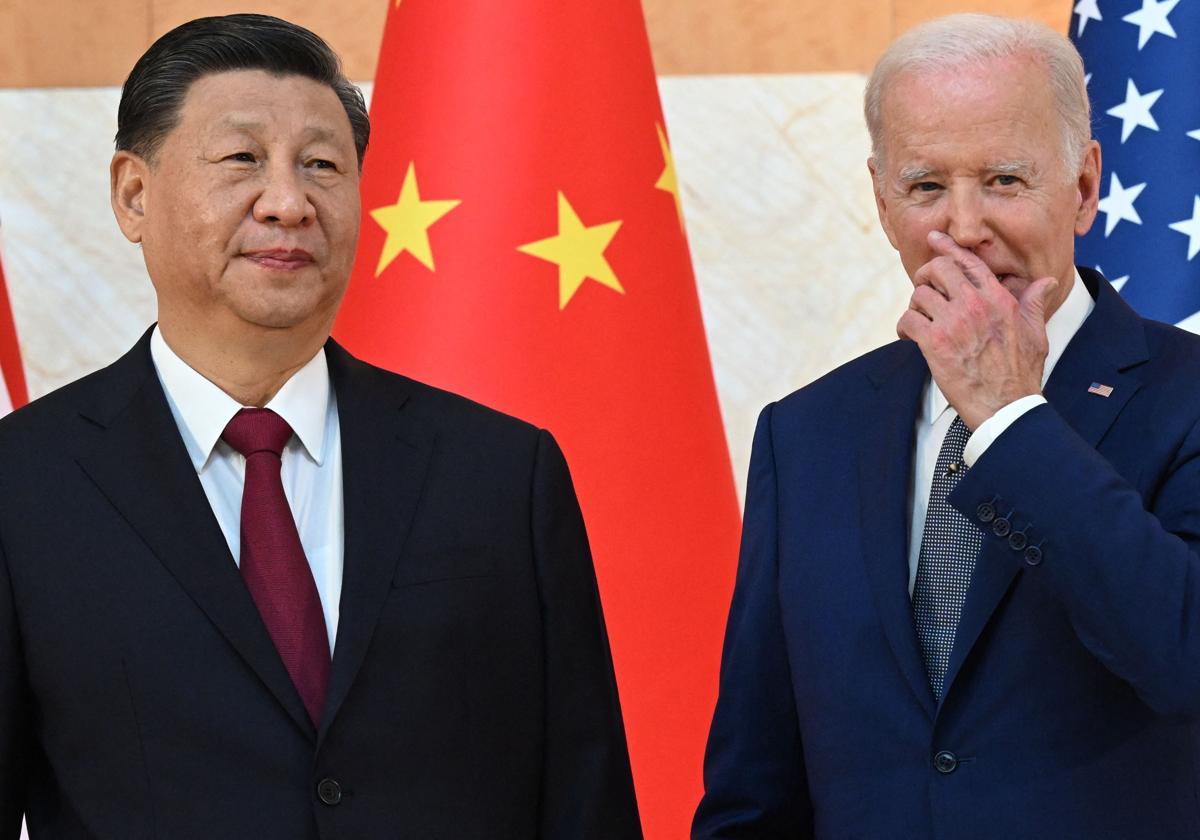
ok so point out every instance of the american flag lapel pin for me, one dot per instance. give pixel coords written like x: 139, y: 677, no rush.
x: 1102, y: 390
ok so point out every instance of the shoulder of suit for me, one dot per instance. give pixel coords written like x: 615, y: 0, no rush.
x: 43, y: 418
x: 850, y: 381
x: 1170, y: 343
x: 450, y: 409
x: 1169, y: 393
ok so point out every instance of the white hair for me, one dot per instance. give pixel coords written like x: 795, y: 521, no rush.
x: 954, y: 41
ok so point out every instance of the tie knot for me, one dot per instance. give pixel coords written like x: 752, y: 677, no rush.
x: 257, y: 430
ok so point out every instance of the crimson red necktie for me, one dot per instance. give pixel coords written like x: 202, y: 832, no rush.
x: 273, y: 563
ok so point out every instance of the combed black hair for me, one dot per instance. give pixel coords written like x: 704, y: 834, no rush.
x: 154, y: 92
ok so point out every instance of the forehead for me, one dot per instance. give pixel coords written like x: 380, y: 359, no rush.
x: 1001, y: 109
x: 258, y: 100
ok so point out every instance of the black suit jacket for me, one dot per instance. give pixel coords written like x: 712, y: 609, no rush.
x: 472, y: 693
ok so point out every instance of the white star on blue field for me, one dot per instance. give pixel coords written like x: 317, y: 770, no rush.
x: 1143, y: 62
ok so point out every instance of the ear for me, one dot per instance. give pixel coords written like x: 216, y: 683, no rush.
x: 1088, y: 185
x: 129, y: 175
x: 880, y: 200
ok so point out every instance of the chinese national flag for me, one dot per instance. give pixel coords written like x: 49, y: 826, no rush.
x: 523, y: 245
x: 12, y: 376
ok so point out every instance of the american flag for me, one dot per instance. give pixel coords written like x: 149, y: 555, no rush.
x: 1142, y: 59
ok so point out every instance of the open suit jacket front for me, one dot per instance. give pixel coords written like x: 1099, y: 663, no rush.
x: 471, y: 693
x: 1071, y: 700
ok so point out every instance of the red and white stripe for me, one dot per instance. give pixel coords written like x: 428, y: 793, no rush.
x: 5, y: 400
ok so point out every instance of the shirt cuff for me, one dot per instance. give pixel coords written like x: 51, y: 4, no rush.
x: 994, y: 426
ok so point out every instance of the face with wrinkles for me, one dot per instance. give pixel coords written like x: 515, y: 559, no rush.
x: 248, y: 212
x: 977, y: 153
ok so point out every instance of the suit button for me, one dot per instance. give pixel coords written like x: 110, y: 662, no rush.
x: 1033, y: 555
x: 986, y: 512
x: 945, y: 762
x: 1017, y: 541
x: 1001, y: 527
x: 329, y: 791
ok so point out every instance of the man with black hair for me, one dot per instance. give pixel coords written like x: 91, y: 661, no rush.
x: 253, y: 587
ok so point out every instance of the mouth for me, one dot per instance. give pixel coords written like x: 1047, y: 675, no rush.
x: 280, y: 259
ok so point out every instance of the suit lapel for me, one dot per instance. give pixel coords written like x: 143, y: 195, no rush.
x: 142, y: 467
x: 1107, y: 345
x: 884, y: 474
x: 385, y: 455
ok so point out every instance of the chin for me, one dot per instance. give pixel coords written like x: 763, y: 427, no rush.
x: 285, y: 309
x: 280, y: 317
x: 278, y: 323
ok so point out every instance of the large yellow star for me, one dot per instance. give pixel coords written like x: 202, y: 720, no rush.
x: 578, y: 251
x: 667, y: 182
x: 407, y: 223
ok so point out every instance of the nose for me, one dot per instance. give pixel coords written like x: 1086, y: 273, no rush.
x: 966, y: 218
x: 284, y: 198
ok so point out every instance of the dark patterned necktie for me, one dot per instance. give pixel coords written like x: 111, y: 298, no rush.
x: 273, y: 564
x: 950, y: 544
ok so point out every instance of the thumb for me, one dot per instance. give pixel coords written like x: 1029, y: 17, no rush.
x: 1033, y: 299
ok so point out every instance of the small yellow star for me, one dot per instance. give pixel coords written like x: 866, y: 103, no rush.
x: 578, y: 251
x: 667, y: 182
x: 407, y: 223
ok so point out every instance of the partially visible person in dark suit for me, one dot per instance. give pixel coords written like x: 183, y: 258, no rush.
x: 251, y: 587
x: 968, y: 600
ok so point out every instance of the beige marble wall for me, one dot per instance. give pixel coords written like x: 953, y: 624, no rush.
x: 85, y: 42
x: 794, y: 275
x: 79, y: 289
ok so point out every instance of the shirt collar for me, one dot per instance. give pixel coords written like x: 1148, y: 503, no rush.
x: 202, y: 410
x: 1060, y: 329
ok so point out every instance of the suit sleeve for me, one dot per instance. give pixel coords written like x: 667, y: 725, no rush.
x: 587, y: 784
x: 754, y: 779
x: 14, y: 722
x: 1125, y: 568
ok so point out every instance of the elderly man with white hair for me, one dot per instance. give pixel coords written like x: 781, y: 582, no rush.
x: 968, y: 601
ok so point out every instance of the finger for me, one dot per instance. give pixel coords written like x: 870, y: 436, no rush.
x: 929, y: 302
x: 1035, y: 297
x: 913, y: 325
x: 974, y: 268
x: 944, y: 275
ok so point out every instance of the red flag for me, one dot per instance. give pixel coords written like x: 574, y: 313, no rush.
x: 12, y: 375
x: 523, y: 245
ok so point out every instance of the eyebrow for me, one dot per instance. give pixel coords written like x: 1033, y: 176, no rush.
x: 1013, y: 167
x: 915, y: 174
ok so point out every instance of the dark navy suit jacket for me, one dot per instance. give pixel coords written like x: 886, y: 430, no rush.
x: 471, y: 696
x: 1073, y: 692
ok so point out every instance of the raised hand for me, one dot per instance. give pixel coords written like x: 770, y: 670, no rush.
x: 984, y: 346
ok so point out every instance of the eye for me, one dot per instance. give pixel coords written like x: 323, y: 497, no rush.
x: 241, y: 157
x: 1007, y: 180
x: 927, y: 186
x: 322, y: 164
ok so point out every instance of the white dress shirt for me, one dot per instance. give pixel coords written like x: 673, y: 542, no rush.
x: 312, y: 460
x: 937, y: 415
